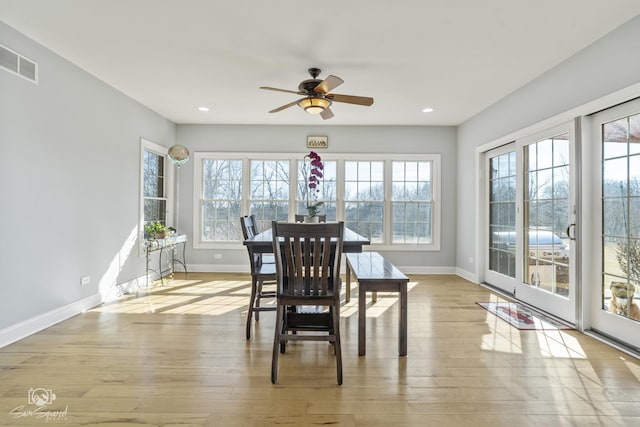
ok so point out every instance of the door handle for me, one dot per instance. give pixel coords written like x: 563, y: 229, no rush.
x: 570, y: 228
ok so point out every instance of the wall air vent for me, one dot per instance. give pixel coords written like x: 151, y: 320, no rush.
x: 18, y: 64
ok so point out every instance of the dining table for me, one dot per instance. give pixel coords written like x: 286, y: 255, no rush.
x: 263, y: 242
x: 351, y: 242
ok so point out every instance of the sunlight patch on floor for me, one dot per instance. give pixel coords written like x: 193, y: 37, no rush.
x: 386, y: 300
x: 503, y: 337
x: 558, y: 343
x: 633, y: 368
x: 211, y: 297
x: 553, y: 343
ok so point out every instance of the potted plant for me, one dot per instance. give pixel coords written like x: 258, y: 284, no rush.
x: 156, y: 230
x: 313, y: 183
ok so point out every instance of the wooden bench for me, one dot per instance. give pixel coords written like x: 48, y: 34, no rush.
x: 374, y: 273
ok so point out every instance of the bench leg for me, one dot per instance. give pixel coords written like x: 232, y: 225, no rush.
x: 402, y: 337
x: 362, y: 319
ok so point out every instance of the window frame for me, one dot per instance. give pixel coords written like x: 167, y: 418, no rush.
x: 340, y: 159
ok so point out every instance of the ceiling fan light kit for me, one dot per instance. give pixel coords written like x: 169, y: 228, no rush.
x: 317, y: 98
x: 314, y: 105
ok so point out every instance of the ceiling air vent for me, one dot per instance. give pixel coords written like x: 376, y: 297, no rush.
x: 18, y: 64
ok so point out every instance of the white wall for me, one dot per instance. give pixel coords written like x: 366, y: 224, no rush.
x: 608, y: 65
x: 69, y: 187
x: 342, y: 139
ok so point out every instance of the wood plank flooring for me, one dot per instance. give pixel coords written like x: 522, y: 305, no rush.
x: 177, y: 356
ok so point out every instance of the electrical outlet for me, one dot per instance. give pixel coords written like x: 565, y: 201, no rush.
x: 85, y: 280
x: 217, y: 256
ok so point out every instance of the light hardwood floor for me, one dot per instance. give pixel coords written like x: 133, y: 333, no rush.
x: 177, y: 355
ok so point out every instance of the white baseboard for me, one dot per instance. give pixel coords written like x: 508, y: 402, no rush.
x: 427, y: 270
x: 234, y: 268
x: 219, y: 268
x: 467, y: 275
x: 28, y: 327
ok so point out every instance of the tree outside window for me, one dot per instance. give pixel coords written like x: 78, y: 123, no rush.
x: 364, y: 198
x: 411, y: 202
x: 328, y: 189
x: 154, y: 194
x: 390, y: 201
x: 221, y: 199
x: 269, y: 199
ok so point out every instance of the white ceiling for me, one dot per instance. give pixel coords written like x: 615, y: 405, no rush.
x: 457, y: 56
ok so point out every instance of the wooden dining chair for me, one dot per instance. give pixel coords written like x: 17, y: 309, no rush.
x: 321, y: 218
x: 261, y: 274
x: 308, y: 279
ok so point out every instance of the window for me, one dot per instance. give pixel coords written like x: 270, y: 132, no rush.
x: 222, y: 199
x: 392, y: 201
x: 156, y: 192
x: 411, y: 202
x: 364, y: 198
x: 155, y: 200
x: 269, y: 190
x: 328, y: 188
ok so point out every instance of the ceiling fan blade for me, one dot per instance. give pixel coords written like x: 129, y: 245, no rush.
x: 328, y: 84
x: 326, y: 113
x: 297, y: 92
x: 291, y: 104
x: 350, y: 99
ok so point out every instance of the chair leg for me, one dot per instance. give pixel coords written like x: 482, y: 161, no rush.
x: 276, y: 343
x: 283, y: 331
x: 258, y: 295
x: 251, y: 302
x: 337, y: 346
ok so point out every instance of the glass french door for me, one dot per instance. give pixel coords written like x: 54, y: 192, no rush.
x: 615, y: 287
x: 530, y: 211
x: 547, y: 221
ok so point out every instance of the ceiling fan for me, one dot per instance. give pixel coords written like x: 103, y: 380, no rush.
x: 317, y: 98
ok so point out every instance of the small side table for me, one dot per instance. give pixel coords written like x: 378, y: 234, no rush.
x: 159, y: 245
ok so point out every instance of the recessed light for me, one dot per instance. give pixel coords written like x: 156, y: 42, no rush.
x: 203, y: 109
x: 427, y: 110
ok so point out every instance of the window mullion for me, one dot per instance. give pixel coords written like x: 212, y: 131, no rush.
x: 387, y: 225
